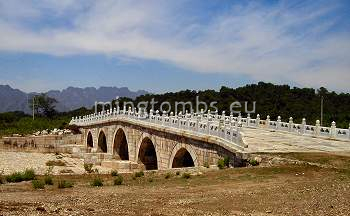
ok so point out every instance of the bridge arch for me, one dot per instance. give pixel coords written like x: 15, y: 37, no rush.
x: 182, y: 156
x: 120, y: 144
x: 147, y: 154
x: 89, y: 140
x: 102, y: 142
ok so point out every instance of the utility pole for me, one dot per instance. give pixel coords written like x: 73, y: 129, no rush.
x: 321, y: 110
x: 33, y: 106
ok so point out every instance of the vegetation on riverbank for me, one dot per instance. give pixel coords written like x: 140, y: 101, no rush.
x: 273, y: 100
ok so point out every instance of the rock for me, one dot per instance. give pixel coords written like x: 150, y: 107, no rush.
x: 41, y: 209
x: 258, y: 159
x: 268, y: 211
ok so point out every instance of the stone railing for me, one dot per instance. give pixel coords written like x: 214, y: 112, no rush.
x: 223, y: 127
x: 302, y: 129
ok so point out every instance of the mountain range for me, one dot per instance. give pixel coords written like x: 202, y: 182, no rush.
x: 68, y: 99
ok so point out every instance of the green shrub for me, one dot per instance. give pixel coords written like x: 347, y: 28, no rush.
x: 15, y: 177
x: 48, y: 180
x: 28, y: 174
x: 253, y: 162
x: 139, y: 174
x: 97, y: 182
x: 206, y: 164
x: 1, y: 180
x: 167, y: 176
x: 114, y: 173
x: 64, y: 184
x: 177, y: 173
x: 38, y: 184
x: 221, y: 163
x: 88, y: 167
x: 118, y: 180
x: 186, y: 175
x: 227, y: 161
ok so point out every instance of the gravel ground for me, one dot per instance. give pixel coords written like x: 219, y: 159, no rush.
x: 19, y: 161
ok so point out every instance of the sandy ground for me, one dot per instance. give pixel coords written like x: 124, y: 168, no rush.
x: 276, y: 190
x: 18, y: 161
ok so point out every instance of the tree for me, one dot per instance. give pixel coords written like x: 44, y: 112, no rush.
x: 43, y: 105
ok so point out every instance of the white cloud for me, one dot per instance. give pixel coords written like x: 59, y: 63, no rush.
x: 273, y: 43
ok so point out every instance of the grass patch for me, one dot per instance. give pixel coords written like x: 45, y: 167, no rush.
x: 27, y: 175
x: 118, y: 180
x: 114, y: 173
x: 55, y: 163
x: 167, y: 176
x: 253, y: 162
x: 139, y: 174
x: 48, y: 180
x: 64, y: 184
x: 88, y: 167
x: 186, y: 175
x: 97, y: 182
x: 38, y: 184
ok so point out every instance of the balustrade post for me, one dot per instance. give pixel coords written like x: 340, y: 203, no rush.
x: 333, y: 130
x: 258, y: 121
x: 290, y: 124
x: 197, y: 122
x: 267, y: 121
x: 124, y: 110
x: 278, y: 125
x: 317, y: 128
x: 248, y: 119
x: 303, y: 125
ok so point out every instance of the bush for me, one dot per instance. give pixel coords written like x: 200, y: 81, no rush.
x: 221, y: 163
x: 139, y: 174
x: 48, y: 180
x: 227, y: 161
x: 167, y: 176
x: 38, y: 184
x: 64, y: 184
x: 206, y: 165
x: 1, y: 180
x: 14, y: 177
x: 118, y: 180
x: 88, y: 167
x: 114, y: 173
x: 253, y: 162
x: 28, y: 174
x: 97, y: 182
x: 150, y: 180
x: 186, y: 175
x: 177, y: 173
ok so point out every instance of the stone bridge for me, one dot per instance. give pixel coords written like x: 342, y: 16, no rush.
x: 124, y: 139
x: 127, y: 139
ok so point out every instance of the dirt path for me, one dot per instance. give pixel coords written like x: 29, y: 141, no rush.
x: 286, y: 190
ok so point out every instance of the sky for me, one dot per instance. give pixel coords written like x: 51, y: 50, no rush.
x: 167, y: 45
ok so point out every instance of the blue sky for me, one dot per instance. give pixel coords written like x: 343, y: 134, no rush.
x: 164, y: 46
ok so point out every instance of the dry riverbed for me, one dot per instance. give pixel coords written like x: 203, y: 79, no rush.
x: 283, y: 189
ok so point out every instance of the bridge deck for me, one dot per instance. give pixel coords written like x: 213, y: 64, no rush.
x: 261, y: 140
